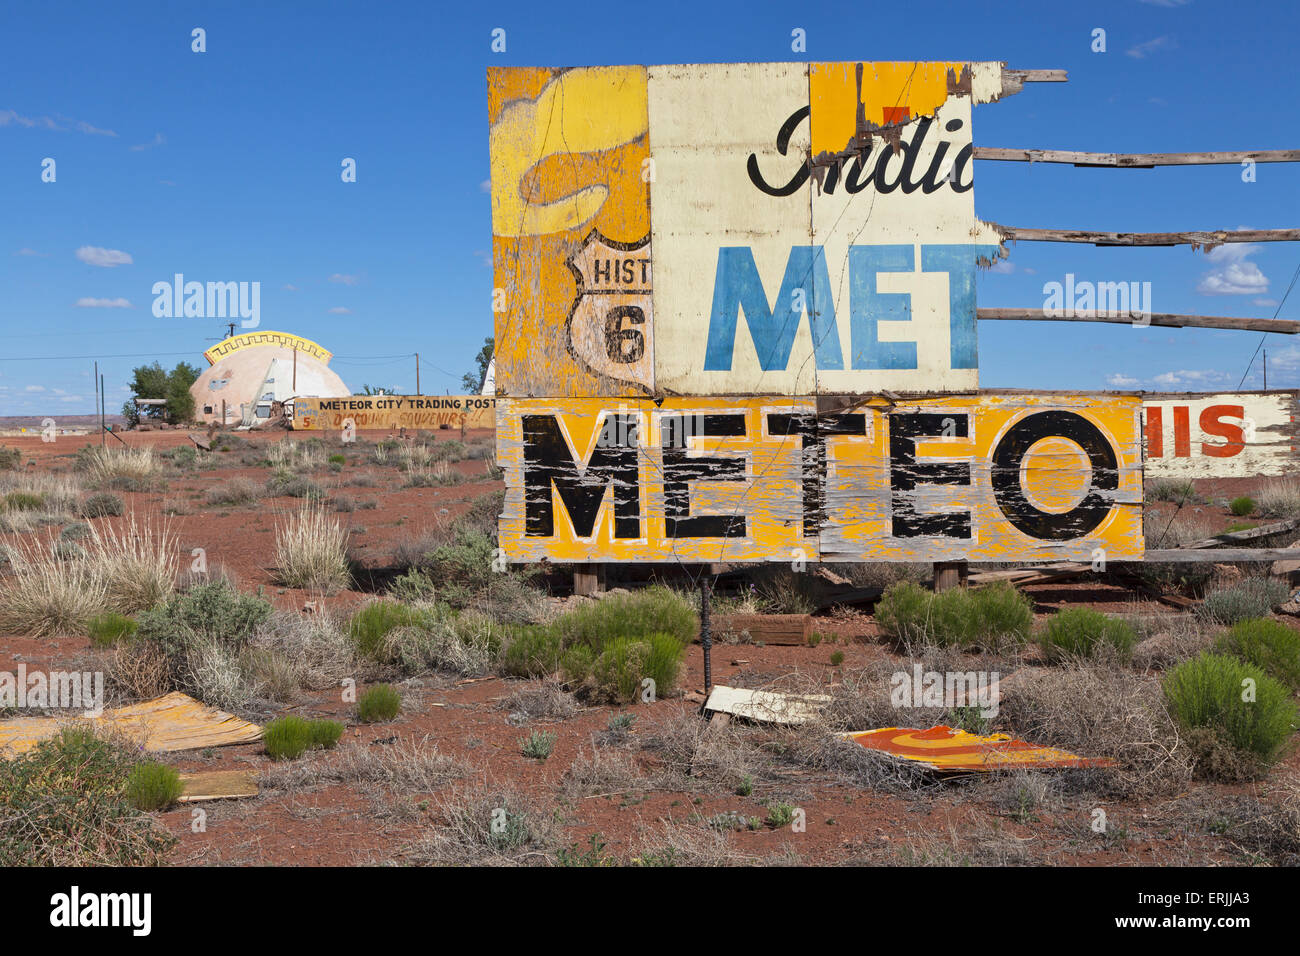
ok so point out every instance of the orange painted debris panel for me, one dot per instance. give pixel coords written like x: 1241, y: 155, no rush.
x: 944, y: 748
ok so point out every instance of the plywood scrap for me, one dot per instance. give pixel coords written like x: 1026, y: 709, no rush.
x: 173, y: 722
x: 217, y: 785
x: 765, y: 706
x: 766, y: 628
x: 947, y: 749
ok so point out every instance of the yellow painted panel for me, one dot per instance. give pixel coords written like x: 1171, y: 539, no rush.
x: 980, y: 478
x: 416, y: 412
x: 848, y: 100
x: 571, y: 222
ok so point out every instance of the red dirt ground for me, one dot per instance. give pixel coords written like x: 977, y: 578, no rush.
x: 338, y: 825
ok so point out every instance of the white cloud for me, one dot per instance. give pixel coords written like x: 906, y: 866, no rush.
x: 108, y: 258
x: 86, y: 302
x: 30, y: 252
x: 34, y: 388
x: 1141, y: 51
x: 342, y: 279
x: 339, y: 310
x: 8, y: 117
x: 1185, y: 376
x: 1233, y: 273
x: 485, y: 186
x: 1265, y: 303
x: 1002, y: 267
x: 158, y: 140
x: 290, y: 287
x: 1166, y: 3
x: 1121, y: 381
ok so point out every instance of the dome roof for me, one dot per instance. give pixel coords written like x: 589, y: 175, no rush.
x: 259, y: 368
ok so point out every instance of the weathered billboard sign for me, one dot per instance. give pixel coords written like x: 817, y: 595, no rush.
x: 983, y: 478
x: 1226, y: 435
x: 736, y: 229
x: 414, y: 412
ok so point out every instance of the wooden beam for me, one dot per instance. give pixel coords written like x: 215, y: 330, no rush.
x: 1250, y: 534
x: 1207, y: 240
x: 1013, y: 81
x: 1282, y: 326
x: 1135, y: 160
x: 1221, y: 555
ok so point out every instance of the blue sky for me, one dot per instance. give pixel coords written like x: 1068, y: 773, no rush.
x: 225, y: 166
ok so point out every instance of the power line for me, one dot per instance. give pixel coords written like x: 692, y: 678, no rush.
x: 1276, y: 312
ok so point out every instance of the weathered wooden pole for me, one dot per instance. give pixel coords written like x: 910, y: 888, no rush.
x: 949, y: 574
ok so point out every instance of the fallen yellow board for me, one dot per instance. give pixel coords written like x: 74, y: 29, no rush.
x: 943, y: 748
x: 175, y: 721
x: 217, y: 785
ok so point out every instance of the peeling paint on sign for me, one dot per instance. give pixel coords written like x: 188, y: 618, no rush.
x: 987, y: 478
x: 810, y: 228
x: 1223, y: 435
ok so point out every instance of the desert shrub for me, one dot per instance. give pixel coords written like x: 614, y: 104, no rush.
x: 140, y: 670
x: 64, y: 803
x: 343, y: 503
x: 1081, y: 632
x: 1177, y: 490
x: 533, y: 651
x: 1269, y: 645
x: 22, y: 501
x: 183, y: 457
x: 1279, y: 498
x: 75, y: 531
x: 779, y: 815
x: 962, y: 617
x: 102, y: 505
x: 290, y: 455
x: 783, y: 591
x: 110, y: 627
x: 607, y: 648
x: 288, y: 485
x: 1205, y: 693
x: 338, y: 459
x: 211, y: 610
x: 379, y: 703
x: 370, y: 624
x: 235, y: 491
x: 153, y: 786
x: 323, y: 734
x: 1242, y: 505
x: 287, y: 738
x: 538, y: 745
x: 314, y: 647
x: 67, y: 550
x: 311, y: 552
x: 639, y: 614
x: 9, y: 458
x: 1249, y: 598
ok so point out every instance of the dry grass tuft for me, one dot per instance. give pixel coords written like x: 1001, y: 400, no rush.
x: 487, y: 826
x: 311, y: 551
x: 106, y: 466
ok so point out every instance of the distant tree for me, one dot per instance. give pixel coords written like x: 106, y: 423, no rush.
x: 473, y: 381
x: 378, y: 390
x: 152, y: 381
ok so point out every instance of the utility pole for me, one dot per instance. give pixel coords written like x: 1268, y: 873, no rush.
x: 417, y: 373
x: 101, y: 410
x: 1266, y: 370
x: 99, y: 404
